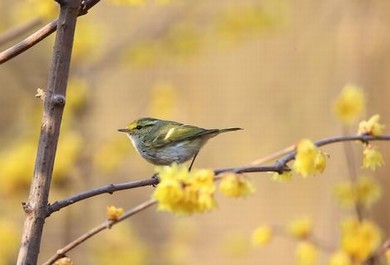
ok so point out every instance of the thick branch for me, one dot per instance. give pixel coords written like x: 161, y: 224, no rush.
x: 54, y: 102
x: 105, y: 225
x: 278, y: 166
x: 39, y: 35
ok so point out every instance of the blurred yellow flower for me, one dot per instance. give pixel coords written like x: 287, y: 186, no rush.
x: 261, y: 236
x: 88, y: 41
x: 236, y: 244
x: 9, y: 236
x: 284, y: 177
x: 113, y: 213
x: 309, y: 159
x: 182, y: 192
x: 70, y: 146
x: 233, y: 185
x: 64, y: 261
x: 359, y: 239
x: 110, y: 154
x: 306, y: 253
x: 364, y: 191
x: 300, y: 228
x: 163, y: 100
x: 372, y: 158
x: 29, y: 9
x: 340, y: 258
x: 372, y: 126
x: 350, y: 104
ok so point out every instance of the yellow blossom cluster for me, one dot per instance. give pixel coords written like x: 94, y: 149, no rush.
x: 309, y: 159
x: 113, y: 213
x: 372, y: 158
x: 261, y: 236
x: 300, y: 228
x: 281, y: 177
x: 371, y: 127
x: 350, y: 104
x: 183, y: 192
x: 306, y: 253
x: 363, y: 192
x: 359, y: 239
x: 233, y: 185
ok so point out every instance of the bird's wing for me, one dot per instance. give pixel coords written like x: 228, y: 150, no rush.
x: 174, y: 134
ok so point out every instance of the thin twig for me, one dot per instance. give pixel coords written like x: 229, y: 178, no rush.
x: 105, y: 225
x: 110, y: 188
x: 19, y: 30
x: 278, y: 166
x: 273, y: 156
x: 39, y: 35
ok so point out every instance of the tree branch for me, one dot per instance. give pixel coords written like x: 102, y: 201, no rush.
x: 39, y: 35
x: 105, y: 225
x: 54, y: 102
x: 19, y: 30
x: 278, y: 166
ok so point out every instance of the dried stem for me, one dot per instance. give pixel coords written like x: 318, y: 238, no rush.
x: 54, y: 102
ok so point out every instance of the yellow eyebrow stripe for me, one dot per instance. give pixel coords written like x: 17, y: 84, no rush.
x: 169, y: 133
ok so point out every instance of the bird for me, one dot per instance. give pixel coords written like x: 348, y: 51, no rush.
x: 163, y: 142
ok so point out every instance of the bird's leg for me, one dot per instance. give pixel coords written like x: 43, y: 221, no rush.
x: 192, y: 162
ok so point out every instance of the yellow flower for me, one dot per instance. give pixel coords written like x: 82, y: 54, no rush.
x: 114, y: 213
x: 371, y: 127
x: 182, y: 192
x: 359, y: 239
x: 261, y: 236
x: 340, y: 258
x: 309, y: 160
x: 300, y: 228
x: 365, y: 192
x: 9, y: 236
x: 320, y: 161
x: 64, y: 261
x: 233, y: 185
x: 350, y: 104
x: 284, y: 177
x: 306, y: 253
x: 372, y: 158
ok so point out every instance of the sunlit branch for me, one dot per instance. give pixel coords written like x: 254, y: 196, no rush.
x: 279, y: 166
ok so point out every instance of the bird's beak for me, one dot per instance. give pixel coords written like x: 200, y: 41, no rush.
x: 125, y: 130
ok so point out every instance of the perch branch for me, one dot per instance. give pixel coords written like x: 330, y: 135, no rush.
x: 278, y: 166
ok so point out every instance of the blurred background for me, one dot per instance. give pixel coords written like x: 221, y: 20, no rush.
x: 271, y: 67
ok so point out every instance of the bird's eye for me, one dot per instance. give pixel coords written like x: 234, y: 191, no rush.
x: 139, y: 127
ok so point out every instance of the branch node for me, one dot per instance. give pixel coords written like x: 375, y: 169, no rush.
x: 26, y: 207
x: 58, y: 100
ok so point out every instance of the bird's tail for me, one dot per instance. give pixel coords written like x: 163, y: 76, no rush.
x: 229, y: 130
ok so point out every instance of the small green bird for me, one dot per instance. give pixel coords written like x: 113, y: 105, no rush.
x: 163, y: 142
